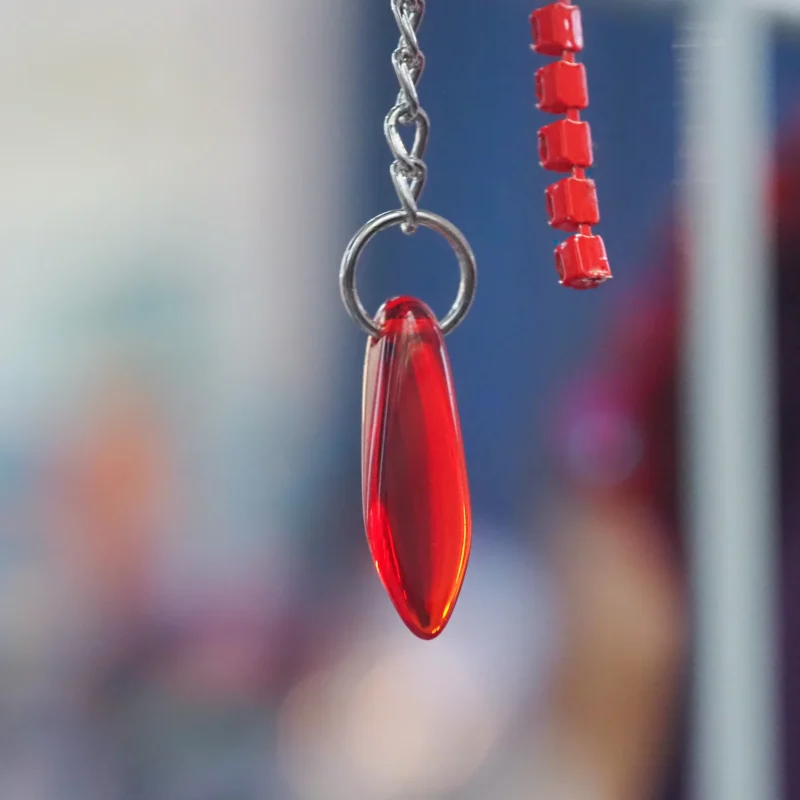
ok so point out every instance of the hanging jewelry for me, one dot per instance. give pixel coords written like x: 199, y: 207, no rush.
x: 415, y: 494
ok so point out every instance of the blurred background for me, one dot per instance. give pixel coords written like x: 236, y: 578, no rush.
x: 188, y: 610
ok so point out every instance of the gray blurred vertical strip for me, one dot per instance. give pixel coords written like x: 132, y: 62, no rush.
x: 730, y: 440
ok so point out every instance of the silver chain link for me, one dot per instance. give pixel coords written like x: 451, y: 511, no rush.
x: 408, y: 170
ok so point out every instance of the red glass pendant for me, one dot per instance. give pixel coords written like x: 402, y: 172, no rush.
x: 414, y: 477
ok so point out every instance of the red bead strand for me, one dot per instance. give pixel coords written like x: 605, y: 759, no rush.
x: 566, y: 146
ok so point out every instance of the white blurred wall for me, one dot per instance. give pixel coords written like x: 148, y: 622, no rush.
x: 173, y: 179
x: 197, y: 143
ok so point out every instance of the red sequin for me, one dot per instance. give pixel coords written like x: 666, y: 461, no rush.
x: 572, y: 202
x: 582, y: 262
x: 562, y: 86
x: 565, y: 144
x: 414, y: 477
x: 557, y: 27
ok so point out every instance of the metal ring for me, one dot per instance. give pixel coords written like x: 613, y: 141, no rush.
x: 390, y: 219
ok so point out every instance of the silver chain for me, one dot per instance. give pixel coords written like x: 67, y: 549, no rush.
x: 408, y: 175
x: 408, y: 170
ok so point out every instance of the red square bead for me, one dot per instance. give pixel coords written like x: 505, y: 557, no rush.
x: 582, y: 262
x: 565, y: 144
x: 562, y: 85
x: 556, y: 28
x: 572, y: 202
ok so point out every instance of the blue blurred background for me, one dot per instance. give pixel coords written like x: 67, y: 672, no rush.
x: 188, y: 610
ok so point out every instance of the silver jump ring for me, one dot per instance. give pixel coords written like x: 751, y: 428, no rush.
x: 391, y: 219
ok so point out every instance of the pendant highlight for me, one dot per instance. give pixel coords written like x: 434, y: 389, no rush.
x: 414, y: 478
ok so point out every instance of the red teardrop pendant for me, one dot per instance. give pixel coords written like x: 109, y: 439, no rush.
x: 414, y: 477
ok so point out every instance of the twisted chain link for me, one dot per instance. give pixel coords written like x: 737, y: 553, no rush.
x: 408, y: 171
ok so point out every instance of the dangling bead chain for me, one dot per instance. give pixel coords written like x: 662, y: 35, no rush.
x: 566, y: 146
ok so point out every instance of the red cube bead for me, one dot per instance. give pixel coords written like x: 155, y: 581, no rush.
x: 565, y: 144
x: 572, y: 202
x: 582, y: 262
x: 562, y: 85
x: 557, y: 28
